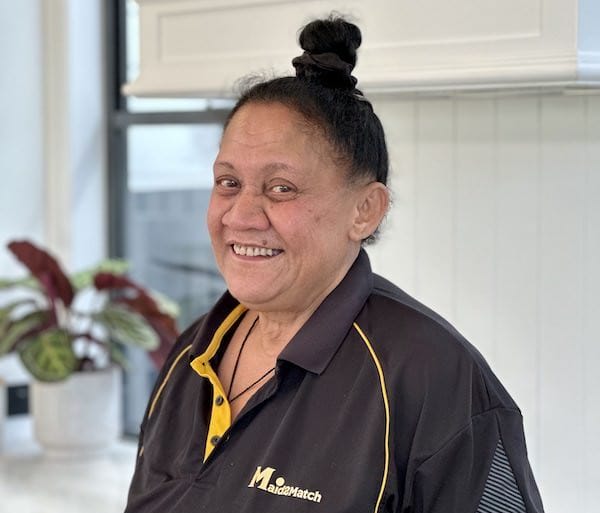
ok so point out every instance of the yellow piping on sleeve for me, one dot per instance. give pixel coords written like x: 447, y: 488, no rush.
x: 386, y: 405
x: 164, y: 382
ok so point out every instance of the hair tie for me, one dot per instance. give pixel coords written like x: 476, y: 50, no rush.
x: 329, y: 62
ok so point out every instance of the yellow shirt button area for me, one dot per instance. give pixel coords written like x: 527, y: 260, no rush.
x: 215, y: 440
x: 219, y: 400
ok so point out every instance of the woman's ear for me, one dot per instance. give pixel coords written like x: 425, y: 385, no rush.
x: 372, y: 205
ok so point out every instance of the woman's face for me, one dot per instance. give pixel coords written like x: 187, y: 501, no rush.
x: 281, y: 211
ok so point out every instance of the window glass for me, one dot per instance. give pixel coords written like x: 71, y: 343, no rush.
x: 167, y: 169
x: 166, y: 240
x: 171, y: 157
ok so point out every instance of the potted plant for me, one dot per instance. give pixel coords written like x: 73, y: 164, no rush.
x: 70, y: 333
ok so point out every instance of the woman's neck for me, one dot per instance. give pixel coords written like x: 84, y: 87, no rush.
x: 276, y: 329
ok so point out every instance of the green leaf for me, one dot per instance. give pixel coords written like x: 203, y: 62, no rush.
x: 5, y: 316
x: 12, y: 332
x: 165, y: 304
x: 5, y: 311
x: 84, y: 279
x: 49, y: 356
x: 28, y: 282
x: 127, y: 327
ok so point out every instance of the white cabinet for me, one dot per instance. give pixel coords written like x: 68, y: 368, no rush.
x: 201, y: 47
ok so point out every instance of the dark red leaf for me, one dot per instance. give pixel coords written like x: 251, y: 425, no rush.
x: 45, y: 269
x: 107, y: 281
x: 110, y: 281
x: 136, y: 298
x: 165, y: 327
x: 141, y: 303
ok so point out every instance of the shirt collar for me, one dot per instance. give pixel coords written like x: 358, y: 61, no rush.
x: 313, y: 347
x: 315, y: 344
x: 215, y: 325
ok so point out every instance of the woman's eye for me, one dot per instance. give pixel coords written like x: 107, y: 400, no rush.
x: 226, y: 183
x: 281, y: 189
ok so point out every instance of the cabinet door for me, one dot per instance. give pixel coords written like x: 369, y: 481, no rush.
x: 201, y: 47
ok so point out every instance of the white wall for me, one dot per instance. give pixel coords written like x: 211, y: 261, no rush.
x: 89, y: 242
x: 75, y: 131
x: 52, y: 129
x: 22, y: 193
x: 496, y: 225
x: 52, y: 134
x: 21, y: 126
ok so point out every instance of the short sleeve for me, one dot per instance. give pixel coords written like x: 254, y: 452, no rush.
x: 139, y: 481
x: 481, y: 469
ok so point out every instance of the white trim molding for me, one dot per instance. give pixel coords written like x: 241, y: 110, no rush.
x: 55, y: 19
x: 201, y: 47
x: 74, y: 131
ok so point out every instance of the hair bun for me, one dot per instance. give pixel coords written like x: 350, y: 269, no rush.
x: 329, y: 52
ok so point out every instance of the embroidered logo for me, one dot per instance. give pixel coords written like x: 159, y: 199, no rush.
x: 262, y: 479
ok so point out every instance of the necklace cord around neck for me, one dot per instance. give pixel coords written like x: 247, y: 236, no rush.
x: 235, y: 368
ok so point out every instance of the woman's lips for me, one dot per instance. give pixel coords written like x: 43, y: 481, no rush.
x: 255, y: 251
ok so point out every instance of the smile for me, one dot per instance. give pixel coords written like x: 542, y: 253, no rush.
x: 254, y: 251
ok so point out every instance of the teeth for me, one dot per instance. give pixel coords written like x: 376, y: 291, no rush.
x: 254, y: 251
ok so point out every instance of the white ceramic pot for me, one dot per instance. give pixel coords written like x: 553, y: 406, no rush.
x: 81, y: 415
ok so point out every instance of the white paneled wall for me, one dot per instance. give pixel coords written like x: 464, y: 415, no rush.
x: 496, y: 225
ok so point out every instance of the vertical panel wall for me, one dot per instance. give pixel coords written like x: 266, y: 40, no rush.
x: 22, y: 192
x: 496, y: 225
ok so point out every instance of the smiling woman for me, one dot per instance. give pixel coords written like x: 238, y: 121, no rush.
x: 314, y: 384
x: 279, y: 189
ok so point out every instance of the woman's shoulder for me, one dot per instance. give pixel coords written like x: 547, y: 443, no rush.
x: 394, y: 304
x: 397, y: 318
x: 423, y: 351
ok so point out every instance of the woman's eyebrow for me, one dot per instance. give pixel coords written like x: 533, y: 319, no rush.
x: 270, y: 167
x: 224, y: 163
x: 279, y: 166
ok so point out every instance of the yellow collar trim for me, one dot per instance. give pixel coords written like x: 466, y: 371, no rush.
x: 220, y: 418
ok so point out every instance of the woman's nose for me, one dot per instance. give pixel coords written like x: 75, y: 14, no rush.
x: 246, y: 212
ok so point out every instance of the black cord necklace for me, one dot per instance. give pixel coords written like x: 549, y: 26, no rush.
x: 235, y: 367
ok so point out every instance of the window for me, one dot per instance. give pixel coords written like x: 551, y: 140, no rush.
x: 160, y: 159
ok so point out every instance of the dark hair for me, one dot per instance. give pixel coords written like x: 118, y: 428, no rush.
x: 323, y: 92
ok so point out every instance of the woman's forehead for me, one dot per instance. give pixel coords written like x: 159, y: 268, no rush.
x: 272, y: 128
x: 259, y: 118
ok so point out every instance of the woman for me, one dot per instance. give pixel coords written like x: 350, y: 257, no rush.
x: 313, y: 384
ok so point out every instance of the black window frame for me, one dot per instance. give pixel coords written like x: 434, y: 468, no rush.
x: 120, y: 118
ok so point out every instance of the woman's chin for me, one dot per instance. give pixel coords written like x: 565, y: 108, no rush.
x: 251, y: 296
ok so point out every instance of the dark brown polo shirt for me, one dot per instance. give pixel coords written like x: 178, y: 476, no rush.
x: 377, y: 404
